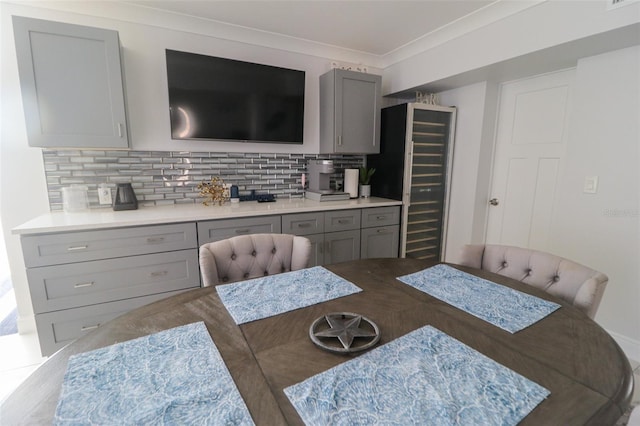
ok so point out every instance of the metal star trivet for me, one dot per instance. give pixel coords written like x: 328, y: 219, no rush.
x: 344, y: 326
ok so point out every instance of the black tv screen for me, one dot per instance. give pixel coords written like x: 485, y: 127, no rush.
x: 225, y: 99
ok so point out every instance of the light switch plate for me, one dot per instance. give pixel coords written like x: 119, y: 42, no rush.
x: 104, y: 195
x: 590, y: 185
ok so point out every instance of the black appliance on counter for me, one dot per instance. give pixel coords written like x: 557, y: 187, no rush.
x: 125, y: 198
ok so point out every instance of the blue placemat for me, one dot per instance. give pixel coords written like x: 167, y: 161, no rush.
x: 275, y: 294
x: 501, y: 306
x: 173, y: 377
x: 424, y: 378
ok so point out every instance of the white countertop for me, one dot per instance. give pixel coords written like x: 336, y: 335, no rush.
x: 107, y: 218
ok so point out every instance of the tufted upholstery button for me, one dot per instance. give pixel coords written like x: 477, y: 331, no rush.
x: 233, y: 256
x: 528, y: 271
x: 505, y: 264
x: 225, y: 279
x: 273, y: 250
x: 555, y: 278
x: 283, y: 269
x: 266, y: 273
x: 246, y: 275
x: 253, y: 253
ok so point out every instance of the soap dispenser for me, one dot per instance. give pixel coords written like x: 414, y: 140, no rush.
x: 125, y: 198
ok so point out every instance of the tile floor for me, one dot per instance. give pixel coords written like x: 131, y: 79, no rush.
x: 20, y: 356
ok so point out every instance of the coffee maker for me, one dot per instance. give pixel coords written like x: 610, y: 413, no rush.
x: 319, y: 172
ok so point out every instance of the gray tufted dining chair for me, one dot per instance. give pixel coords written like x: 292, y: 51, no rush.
x: 574, y: 283
x: 252, y: 256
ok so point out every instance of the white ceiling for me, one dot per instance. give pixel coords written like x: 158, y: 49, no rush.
x: 373, y: 27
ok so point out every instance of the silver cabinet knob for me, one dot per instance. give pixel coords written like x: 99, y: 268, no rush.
x: 494, y: 201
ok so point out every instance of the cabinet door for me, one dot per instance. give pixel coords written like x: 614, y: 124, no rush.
x: 71, y: 81
x: 357, y: 112
x: 380, y: 242
x: 341, y: 220
x: 350, y: 105
x: 341, y: 246
x: 303, y: 223
x: 317, y: 249
x: 380, y: 216
x: 57, y: 329
x: 69, y: 247
x: 72, y: 285
x: 216, y: 230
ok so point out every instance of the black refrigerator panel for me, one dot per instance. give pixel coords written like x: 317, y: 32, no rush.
x: 387, y: 182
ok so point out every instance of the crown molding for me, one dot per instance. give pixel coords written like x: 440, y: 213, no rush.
x: 146, y: 15
x: 489, y: 14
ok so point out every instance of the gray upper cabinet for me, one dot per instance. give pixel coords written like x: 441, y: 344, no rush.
x: 71, y: 81
x: 350, y: 105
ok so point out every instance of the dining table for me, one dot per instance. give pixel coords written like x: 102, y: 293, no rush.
x: 588, y: 377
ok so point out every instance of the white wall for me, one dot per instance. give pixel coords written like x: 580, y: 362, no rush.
x: 543, y: 26
x: 470, y: 111
x: 22, y: 182
x: 602, y: 230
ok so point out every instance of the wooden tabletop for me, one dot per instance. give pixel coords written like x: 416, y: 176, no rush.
x: 588, y: 375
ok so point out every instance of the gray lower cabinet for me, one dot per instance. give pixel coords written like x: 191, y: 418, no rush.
x: 216, y: 230
x: 334, y: 235
x: 380, y: 232
x: 71, y: 81
x: 79, y: 280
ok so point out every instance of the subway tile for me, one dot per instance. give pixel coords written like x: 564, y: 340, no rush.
x: 172, y: 177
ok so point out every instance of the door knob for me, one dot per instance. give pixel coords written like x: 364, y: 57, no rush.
x: 494, y: 201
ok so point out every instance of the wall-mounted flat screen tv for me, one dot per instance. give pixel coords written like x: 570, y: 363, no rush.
x: 223, y: 99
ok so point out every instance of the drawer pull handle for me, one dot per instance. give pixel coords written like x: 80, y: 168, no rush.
x: 159, y: 273
x: 344, y: 221
x: 75, y: 248
x: 383, y: 231
x: 80, y: 285
x: 242, y: 231
x: 304, y: 225
x: 155, y: 239
x: 381, y: 217
x: 89, y: 327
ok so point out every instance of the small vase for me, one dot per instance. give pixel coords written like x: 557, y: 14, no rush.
x: 365, y: 191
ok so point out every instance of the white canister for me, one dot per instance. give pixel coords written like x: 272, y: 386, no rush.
x: 75, y: 198
x: 351, y: 182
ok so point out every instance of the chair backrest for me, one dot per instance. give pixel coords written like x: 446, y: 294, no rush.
x: 251, y: 256
x: 576, y: 284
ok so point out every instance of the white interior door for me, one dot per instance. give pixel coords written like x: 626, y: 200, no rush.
x: 531, y: 139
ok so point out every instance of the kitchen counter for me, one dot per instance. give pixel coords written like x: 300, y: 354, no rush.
x: 107, y: 218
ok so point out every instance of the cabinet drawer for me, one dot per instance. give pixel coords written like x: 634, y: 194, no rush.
x: 56, y: 329
x: 341, y: 220
x: 216, y: 230
x: 303, y: 223
x: 380, y: 216
x: 87, y: 283
x: 55, y: 249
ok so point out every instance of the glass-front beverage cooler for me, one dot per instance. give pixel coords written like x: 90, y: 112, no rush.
x: 414, y: 166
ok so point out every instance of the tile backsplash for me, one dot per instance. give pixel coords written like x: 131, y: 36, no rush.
x: 160, y: 178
